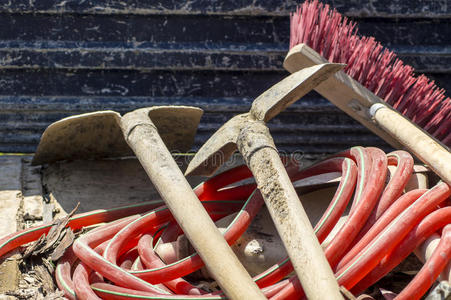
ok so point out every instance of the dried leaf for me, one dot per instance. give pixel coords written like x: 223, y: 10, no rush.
x: 57, y: 230
x: 56, y: 295
x: 50, y: 267
x: 38, y: 266
x: 65, y: 243
x: 36, y: 245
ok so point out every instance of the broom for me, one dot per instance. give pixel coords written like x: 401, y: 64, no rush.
x: 373, y: 82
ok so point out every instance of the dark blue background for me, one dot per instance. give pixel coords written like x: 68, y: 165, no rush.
x: 59, y: 58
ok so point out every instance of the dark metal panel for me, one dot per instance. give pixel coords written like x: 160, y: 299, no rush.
x: 431, y: 60
x: 141, y: 59
x: 142, y: 30
x: 310, y: 126
x: 186, y: 32
x: 72, y: 41
x: 164, y: 83
x: 59, y: 58
x: 379, y: 8
x: 132, y: 83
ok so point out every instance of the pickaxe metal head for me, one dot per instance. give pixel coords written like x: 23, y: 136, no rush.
x: 223, y: 143
x: 98, y: 134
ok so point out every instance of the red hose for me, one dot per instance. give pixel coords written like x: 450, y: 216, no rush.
x: 364, y: 201
x: 428, y: 226
x: 351, y: 273
x: 431, y: 269
x: 404, y: 168
x: 382, y: 228
x: 397, y: 208
x: 385, y: 241
x: 17, y: 239
x: 151, y: 260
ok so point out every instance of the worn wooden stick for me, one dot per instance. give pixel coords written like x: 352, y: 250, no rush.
x: 142, y: 136
x: 413, y: 138
x: 354, y: 99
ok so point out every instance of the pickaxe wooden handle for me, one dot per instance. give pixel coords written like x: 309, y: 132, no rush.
x: 248, y: 133
x: 288, y: 214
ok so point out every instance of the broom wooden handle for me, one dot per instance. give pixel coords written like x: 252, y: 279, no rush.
x: 416, y: 140
x: 356, y: 100
x: 340, y: 89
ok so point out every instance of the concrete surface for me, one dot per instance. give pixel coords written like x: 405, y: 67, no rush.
x: 99, y: 183
x: 10, y: 204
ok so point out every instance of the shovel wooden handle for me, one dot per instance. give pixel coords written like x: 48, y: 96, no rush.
x: 142, y: 136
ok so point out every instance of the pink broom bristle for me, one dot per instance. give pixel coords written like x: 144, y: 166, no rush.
x: 335, y: 37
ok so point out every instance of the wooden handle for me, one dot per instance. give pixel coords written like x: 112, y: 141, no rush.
x: 142, y: 136
x: 416, y: 140
x: 340, y: 89
x: 356, y: 100
x: 291, y: 221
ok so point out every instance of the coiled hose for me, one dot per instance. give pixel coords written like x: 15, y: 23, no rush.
x: 116, y: 260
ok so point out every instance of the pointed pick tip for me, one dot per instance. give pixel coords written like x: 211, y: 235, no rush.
x: 201, y: 165
x: 210, y: 158
x: 193, y: 165
x: 218, y: 148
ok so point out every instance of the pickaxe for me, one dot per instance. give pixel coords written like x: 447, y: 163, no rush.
x: 100, y: 134
x: 248, y: 132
